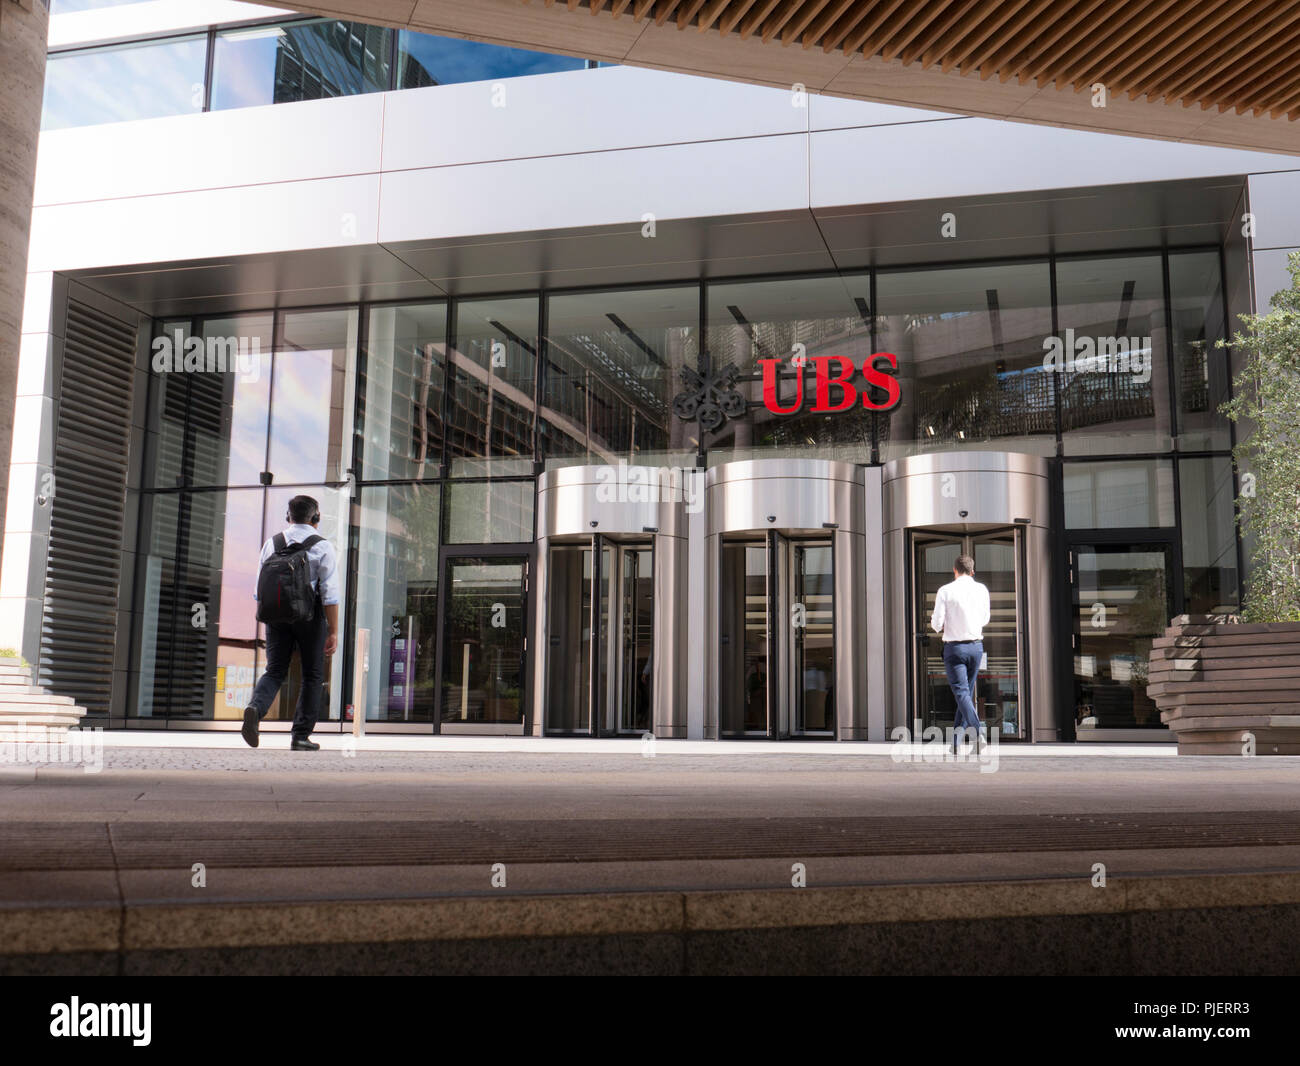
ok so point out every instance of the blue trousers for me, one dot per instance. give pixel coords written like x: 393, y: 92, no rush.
x: 309, y: 638
x: 961, y: 662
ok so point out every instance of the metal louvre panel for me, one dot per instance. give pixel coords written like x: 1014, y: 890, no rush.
x: 84, y: 563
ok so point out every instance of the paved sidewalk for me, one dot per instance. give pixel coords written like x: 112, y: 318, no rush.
x: 100, y: 872
x: 435, y: 821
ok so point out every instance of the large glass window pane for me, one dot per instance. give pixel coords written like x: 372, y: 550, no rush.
x: 568, y: 623
x: 636, y: 661
x: 123, y: 82
x: 1112, y: 367
x: 969, y: 342
x: 210, y: 397
x: 743, y: 639
x: 402, y: 389
x: 156, y: 601
x: 308, y: 60
x: 311, y: 418
x: 814, y: 641
x: 167, y: 422
x: 1119, y: 495
x: 493, y: 369
x: 1121, y: 604
x: 1206, y: 499
x: 613, y: 365
x: 483, y: 664
x: 1201, y: 370
x: 795, y: 320
x: 68, y: 7
x: 998, y: 683
x: 423, y: 59
x: 397, y: 600
x: 490, y: 512
x: 199, y: 634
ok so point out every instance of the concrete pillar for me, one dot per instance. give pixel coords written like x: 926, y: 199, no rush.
x: 23, y: 28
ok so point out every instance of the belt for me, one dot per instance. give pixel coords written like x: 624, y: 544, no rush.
x: 975, y: 640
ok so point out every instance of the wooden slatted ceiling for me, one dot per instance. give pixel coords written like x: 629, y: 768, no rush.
x: 1242, y: 55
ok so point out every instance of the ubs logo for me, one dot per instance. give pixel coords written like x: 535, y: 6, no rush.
x: 713, y: 398
x: 835, y: 371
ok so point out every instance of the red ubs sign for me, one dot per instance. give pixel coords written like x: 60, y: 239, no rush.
x: 835, y: 372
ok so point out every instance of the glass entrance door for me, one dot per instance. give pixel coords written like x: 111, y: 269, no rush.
x: 483, y: 642
x: 1122, y: 596
x: 600, y: 637
x: 776, y: 637
x: 997, y: 555
x: 635, y: 639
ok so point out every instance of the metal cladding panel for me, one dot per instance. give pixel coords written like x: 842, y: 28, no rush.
x: 1004, y: 157
x: 785, y: 494
x: 966, y: 488
x: 851, y: 629
x: 580, y: 501
x: 522, y: 117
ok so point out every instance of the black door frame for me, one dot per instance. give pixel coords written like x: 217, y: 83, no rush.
x: 447, y: 553
x: 1167, y: 537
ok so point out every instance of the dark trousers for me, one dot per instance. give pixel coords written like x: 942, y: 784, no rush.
x: 961, y: 662
x: 309, y: 639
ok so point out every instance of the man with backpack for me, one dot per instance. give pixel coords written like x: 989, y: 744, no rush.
x: 298, y: 601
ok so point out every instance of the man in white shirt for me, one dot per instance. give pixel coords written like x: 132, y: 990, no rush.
x: 315, y: 638
x: 961, y: 611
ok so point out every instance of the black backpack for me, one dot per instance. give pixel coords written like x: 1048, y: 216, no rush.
x: 284, y: 592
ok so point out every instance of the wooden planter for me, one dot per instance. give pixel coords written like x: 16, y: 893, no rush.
x: 1218, y: 683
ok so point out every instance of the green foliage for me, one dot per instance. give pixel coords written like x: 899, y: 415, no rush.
x: 1267, y: 399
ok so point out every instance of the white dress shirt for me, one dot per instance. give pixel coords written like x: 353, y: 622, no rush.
x: 322, y: 563
x: 961, y: 610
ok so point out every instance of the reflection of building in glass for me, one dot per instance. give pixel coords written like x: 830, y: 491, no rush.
x: 324, y: 59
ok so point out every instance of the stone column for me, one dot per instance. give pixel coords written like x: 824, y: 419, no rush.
x: 23, y: 28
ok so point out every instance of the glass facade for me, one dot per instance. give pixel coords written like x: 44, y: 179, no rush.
x: 299, y: 61
x: 244, y: 412
x: 969, y: 342
x: 792, y: 321
x: 423, y: 59
x: 68, y: 7
x: 422, y: 428
x: 265, y: 63
x: 146, y: 79
x: 613, y: 364
x: 1119, y: 495
x: 397, y: 599
x: 1108, y: 309
x: 1207, y: 513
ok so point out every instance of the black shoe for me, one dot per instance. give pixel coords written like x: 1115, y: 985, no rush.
x: 303, y: 744
x: 249, y: 728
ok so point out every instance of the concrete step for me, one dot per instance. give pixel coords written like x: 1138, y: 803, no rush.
x: 30, y: 719
x: 1145, y: 925
x: 40, y: 696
